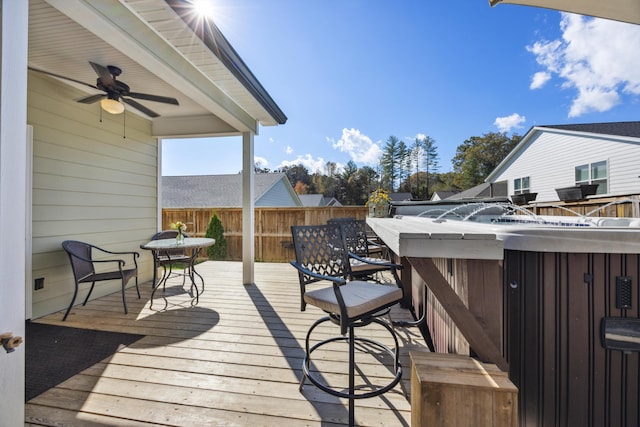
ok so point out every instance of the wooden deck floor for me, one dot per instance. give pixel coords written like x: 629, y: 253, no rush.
x: 234, y: 359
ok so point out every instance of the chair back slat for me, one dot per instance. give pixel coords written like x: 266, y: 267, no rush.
x: 320, y: 249
x: 80, y: 258
x: 169, y: 234
x: 354, y: 232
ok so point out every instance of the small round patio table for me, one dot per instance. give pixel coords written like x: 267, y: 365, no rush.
x: 192, y: 244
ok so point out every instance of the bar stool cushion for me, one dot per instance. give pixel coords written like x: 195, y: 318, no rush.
x: 359, y: 297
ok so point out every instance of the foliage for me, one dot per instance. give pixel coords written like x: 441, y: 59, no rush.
x: 478, y: 156
x: 390, y: 162
x: 301, y: 188
x: 413, y: 169
x: 180, y: 226
x: 378, y: 196
x: 296, y: 173
x: 424, y: 155
x: 215, y: 231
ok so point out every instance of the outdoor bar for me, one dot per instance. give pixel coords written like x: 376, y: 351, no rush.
x: 551, y: 300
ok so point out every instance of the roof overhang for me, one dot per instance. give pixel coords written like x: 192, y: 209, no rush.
x: 617, y: 10
x: 159, y: 53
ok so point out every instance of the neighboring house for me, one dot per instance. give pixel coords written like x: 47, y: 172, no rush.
x: 558, y: 156
x: 486, y: 190
x: 207, y: 191
x: 312, y: 200
x: 399, y: 197
x: 441, y: 195
x: 331, y: 201
x: 318, y: 200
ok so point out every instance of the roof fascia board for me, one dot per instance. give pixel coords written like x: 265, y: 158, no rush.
x: 213, y: 38
x: 125, y: 30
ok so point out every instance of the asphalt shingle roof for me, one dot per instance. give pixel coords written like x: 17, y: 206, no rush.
x: 631, y: 129
x: 203, y: 191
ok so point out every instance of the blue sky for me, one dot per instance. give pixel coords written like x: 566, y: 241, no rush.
x: 350, y: 73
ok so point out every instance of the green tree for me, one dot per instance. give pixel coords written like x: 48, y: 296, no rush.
x: 404, y: 162
x: 390, y: 162
x: 478, y: 156
x: 297, y: 173
x: 424, y: 156
x: 215, y: 231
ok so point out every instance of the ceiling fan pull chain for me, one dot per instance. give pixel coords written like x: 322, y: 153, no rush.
x: 124, y: 125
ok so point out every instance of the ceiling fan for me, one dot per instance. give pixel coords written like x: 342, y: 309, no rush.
x: 115, y: 91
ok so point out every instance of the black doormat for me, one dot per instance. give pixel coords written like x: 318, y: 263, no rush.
x: 56, y: 353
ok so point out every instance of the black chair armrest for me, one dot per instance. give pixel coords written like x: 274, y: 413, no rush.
x: 134, y: 255
x: 376, y: 263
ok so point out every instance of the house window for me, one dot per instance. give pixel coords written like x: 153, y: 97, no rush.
x: 593, y: 173
x: 521, y: 185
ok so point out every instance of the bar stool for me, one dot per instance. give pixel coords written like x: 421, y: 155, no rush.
x: 321, y: 256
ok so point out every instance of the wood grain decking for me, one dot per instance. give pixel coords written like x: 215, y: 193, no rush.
x: 234, y: 359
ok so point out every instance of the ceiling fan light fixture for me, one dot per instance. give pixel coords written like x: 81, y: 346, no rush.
x: 112, y: 106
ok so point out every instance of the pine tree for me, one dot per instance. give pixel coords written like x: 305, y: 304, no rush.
x: 215, y: 231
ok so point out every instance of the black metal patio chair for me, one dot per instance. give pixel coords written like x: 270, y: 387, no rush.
x: 84, y: 266
x: 322, y: 258
x: 362, y: 264
x: 167, y: 258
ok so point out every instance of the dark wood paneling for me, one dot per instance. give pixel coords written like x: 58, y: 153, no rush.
x: 553, y: 306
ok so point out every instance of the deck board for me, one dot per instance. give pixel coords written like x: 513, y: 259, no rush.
x: 234, y: 359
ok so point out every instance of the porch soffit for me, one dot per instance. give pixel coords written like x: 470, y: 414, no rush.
x: 158, y: 53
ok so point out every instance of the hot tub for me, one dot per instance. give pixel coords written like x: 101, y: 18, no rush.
x: 531, y: 294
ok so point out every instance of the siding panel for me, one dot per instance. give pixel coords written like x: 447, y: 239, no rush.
x: 89, y: 183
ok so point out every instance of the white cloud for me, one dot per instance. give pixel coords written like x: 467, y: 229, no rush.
x: 261, y: 162
x: 312, y: 165
x: 360, y: 147
x: 539, y: 79
x: 289, y: 149
x: 595, y: 58
x: 508, y: 123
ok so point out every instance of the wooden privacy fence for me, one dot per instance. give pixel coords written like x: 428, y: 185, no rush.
x: 272, y: 226
x: 620, y: 207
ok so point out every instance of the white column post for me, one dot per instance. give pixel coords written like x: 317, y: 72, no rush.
x: 248, y: 215
x: 13, y: 209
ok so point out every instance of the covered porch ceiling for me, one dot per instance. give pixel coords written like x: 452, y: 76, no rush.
x: 163, y: 48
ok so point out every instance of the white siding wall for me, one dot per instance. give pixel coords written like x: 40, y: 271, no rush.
x: 89, y: 184
x: 549, y: 158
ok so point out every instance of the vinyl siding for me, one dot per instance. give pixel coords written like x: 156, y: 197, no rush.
x: 549, y: 159
x: 89, y: 184
x: 277, y: 195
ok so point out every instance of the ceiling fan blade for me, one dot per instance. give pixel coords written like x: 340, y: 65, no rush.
x: 155, y: 98
x: 140, y: 107
x: 105, y: 76
x: 92, y: 98
x: 63, y: 77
